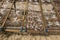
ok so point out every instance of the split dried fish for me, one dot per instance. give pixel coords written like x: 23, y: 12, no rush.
x: 15, y: 19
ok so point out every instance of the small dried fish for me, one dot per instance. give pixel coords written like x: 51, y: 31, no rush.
x: 34, y: 21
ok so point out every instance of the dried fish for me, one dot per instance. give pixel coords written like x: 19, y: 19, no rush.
x: 15, y: 19
x: 50, y: 23
x: 34, y: 21
x: 21, y: 5
x: 34, y: 7
x: 48, y: 11
x: 57, y: 23
x: 50, y: 15
x: 28, y: 14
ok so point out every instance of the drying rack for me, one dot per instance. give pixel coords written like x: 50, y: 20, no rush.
x: 23, y: 29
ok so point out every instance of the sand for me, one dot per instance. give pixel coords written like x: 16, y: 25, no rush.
x: 28, y: 37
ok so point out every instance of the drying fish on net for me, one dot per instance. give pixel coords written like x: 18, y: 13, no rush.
x: 15, y: 19
x: 34, y: 21
x: 27, y: 15
x: 50, y: 15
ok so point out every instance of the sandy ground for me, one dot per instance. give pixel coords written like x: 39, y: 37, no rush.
x: 28, y: 37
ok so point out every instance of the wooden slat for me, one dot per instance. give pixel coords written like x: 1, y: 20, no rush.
x: 53, y: 30
x: 7, y: 16
x: 43, y: 18
x: 55, y: 10
x: 25, y: 14
x: 1, y: 5
x: 15, y: 31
